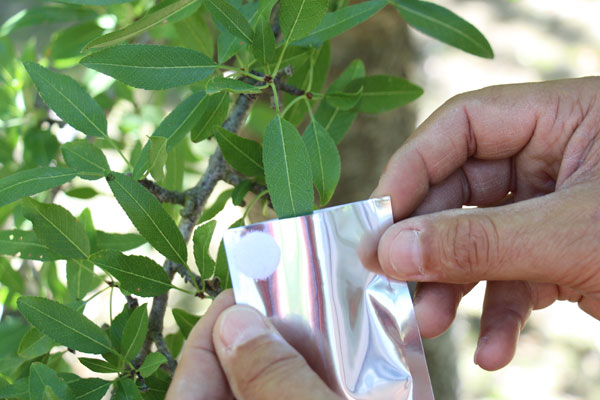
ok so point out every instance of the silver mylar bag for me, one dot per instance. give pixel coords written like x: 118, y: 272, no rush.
x: 355, y: 328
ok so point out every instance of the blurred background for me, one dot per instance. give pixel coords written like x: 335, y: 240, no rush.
x: 558, y: 355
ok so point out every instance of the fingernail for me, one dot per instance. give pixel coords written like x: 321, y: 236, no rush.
x: 240, y: 324
x: 406, y: 255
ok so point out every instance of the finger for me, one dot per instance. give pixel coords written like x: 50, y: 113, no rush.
x: 199, y: 375
x: 259, y: 363
x: 480, y: 183
x: 506, y: 308
x: 591, y: 305
x: 436, y: 305
x: 547, y: 239
x: 489, y: 124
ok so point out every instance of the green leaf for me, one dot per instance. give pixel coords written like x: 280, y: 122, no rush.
x: 263, y: 42
x: 126, y: 390
x: 298, y: 18
x: 86, y: 158
x: 245, y: 155
x: 324, y: 160
x: 151, y: 364
x: 216, y: 207
x: 202, y: 237
x: 230, y: 18
x: 149, y: 217
x: 70, y: 42
x: 175, y: 126
x: 134, y: 333
x: 444, y: 25
x: 9, y: 277
x: 65, y: 325
x: 98, y: 365
x: 222, y: 269
x: 117, y: 241
x: 151, y: 67
x: 240, y: 191
x: 141, y: 25
x: 344, y: 100
x: 117, y: 327
x: 265, y: 7
x: 217, y: 107
x: 41, y: 147
x: 41, y: 377
x: 89, y: 389
x: 46, y: 14
x: 185, y: 321
x: 136, y: 274
x: 157, y: 156
x: 84, y: 192
x: 57, y: 228
x: 287, y: 169
x: 26, y: 245
x: 80, y: 278
x: 18, y: 390
x: 175, y: 342
x: 68, y: 100
x: 194, y: 33
x: 383, y: 92
x: 339, y: 21
x: 34, y: 344
x: 32, y: 181
x: 220, y: 84
x: 94, y: 2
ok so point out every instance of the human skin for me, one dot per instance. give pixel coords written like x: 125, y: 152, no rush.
x: 528, y: 156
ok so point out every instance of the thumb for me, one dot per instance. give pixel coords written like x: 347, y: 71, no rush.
x: 547, y: 239
x: 259, y: 363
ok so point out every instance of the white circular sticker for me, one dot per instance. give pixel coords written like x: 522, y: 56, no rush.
x: 257, y: 255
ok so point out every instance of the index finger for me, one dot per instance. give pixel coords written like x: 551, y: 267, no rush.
x: 489, y: 124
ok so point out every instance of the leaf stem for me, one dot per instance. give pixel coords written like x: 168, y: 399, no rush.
x: 242, y: 72
x: 291, y: 103
x: 96, y: 294
x: 280, y: 60
x: 253, y: 202
x: 275, y: 98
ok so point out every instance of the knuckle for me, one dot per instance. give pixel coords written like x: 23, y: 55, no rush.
x: 472, y: 244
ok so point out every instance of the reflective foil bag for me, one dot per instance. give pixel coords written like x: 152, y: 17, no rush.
x: 355, y: 328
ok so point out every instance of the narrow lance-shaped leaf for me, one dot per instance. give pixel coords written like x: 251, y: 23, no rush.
x: 151, y: 364
x: 94, y: 2
x: 298, y: 18
x: 240, y: 191
x: 230, y: 18
x: 194, y: 33
x: 57, y: 228
x: 68, y: 100
x: 141, y: 25
x: 220, y: 84
x: 222, y: 268
x: 245, y: 155
x: 217, y: 108
x: 31, y: 181
x: 324, y: 160
x: 202, y: 237
x: 136, y: 274
x: 151, y: 67
x: 26, y: 245
x: 80, y: 278
x: 339, y: 21
x: 134, y: 333
x: 9, y: 277
x: 117, y: 241
x: 175, y: 126
x: 263, y: 43
x: 65, y: 325
x: 383, y: 92
x: 34, y: 344
x: 149, y: 217
x: 125, y: 389
x: 444, y: 25
x: 98, y: 365
x: 216, y: 207
x: 86, y: 158
x: 287, y: 170
x: 336, y: 121
x: 185, y: 321
x: 42, y: 378
x: 157, y: 155
x: 89, y: 389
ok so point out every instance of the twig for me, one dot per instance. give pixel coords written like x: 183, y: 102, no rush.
x: 163, y: 195
x: 162, y: 347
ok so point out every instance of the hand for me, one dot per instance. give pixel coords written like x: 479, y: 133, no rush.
x: 531, y: 153
x: 234, y: 352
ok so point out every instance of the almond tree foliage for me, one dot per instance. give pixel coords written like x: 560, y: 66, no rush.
x: 233, y: 66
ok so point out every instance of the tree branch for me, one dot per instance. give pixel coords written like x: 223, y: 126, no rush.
x: 163, y: 195
x: 195, y: 199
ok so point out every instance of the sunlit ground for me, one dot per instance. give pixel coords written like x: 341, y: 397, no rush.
x: 558, y: 355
